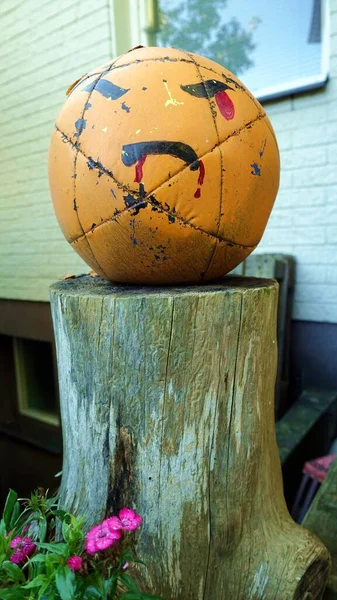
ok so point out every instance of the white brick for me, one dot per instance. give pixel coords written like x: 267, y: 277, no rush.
x: 302, y: 157
x: 331, y: 235
x: 322, y: 175
x: 312, y: 196
x: 283, y: 105
x: 286, y: 179
x: 310, y: 98
x: 300, y: 118
x: 316, y: 292
x: 331, y: 194
x: 295, y: 235
x: 314, y: 135
x: 332, y: 153
x: 310, y: 273
x: 284, y: 140
x: 316, y: 255
x: 280, y: 218
x: 306, y: 311
x: 331, y: 275
x: 333, y: 22
x: 331, y: 214
x: 312, y: 216
x: 31, y: 81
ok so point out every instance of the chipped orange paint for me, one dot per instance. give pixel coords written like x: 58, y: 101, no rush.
x: 163, y: 168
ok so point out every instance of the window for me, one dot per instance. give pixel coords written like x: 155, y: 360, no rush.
x: 29, y: 402
x: 35, y: 380
x: 275, y: 48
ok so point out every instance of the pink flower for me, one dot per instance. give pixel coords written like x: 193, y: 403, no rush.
x: 113, y: 523
x: 24, y: 547
x: 101, y: 537
x: 125, y: 566
x: 75, y: 563
x: 129, y: 519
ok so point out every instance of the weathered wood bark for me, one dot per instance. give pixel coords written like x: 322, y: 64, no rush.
x: 167, y: 407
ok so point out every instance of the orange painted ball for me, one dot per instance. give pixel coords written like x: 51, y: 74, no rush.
x: 163, y: 168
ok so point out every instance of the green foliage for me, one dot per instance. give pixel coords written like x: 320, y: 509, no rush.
x: 54, y: 536
x: 198, y: 26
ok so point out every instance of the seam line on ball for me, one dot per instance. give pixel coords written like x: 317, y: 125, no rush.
x: 184, y: 60
x: 214, y: 119
x: 135, y: 192
x: 75, y: 168
x: 165, y: 212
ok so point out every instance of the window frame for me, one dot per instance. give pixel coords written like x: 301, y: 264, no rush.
x: 304, y: 84
x: 30, y: 320
x: 292, y: 87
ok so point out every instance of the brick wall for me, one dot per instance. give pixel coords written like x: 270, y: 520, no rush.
x: 304, y: 220
x: 45, y: 46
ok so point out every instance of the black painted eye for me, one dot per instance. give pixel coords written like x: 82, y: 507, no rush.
x: 106, y: 88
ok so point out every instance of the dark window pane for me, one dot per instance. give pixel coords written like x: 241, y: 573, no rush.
x: 35, y: 379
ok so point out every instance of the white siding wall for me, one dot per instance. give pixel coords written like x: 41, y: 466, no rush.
x: 45, y: 46
x: 304, y: 220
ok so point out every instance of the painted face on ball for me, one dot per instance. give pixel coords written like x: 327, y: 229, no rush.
x: 163, y: 168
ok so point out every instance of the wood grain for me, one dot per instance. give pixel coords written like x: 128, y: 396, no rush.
x: 167, y: 407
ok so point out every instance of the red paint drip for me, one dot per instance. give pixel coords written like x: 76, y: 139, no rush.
x: 200, y: 178
x: 225, y: 105
x: 201, y: 172
x: 139, y: 169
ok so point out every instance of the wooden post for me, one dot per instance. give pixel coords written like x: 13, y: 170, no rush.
x: 167, y: 407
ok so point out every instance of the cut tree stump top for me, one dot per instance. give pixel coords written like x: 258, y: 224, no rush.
x: 84, y: 285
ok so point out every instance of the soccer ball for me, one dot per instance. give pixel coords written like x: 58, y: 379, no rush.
x: 163, y: 168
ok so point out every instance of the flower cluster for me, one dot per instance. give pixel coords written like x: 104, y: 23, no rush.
x: 107, y: 533
x: 23, y: 548
x: 46, y: 553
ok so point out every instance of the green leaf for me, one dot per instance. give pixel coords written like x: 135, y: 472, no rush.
x: 92, y: 593
x: 42, y: 530
x: 131, y: 596
x: 14, y: 593
x: 128, y: 582
x: 9, y: 506
x: 13, y: 572
x: 65, y: 582
x: 37, y: 582
x: 61, y: 514
x: 15, y: 515
x: 65, y: 530
x: 113, y: 587
x: 38, y: 558
x: 127, y: 556
x: 54, y: 547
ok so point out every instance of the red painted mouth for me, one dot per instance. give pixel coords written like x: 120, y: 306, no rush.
x: 225, y: 105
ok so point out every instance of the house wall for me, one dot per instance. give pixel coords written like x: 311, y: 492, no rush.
x: 45, y: 46
x: 304, y: 220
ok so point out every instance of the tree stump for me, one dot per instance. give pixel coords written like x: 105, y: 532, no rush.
x: 167, y: 407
